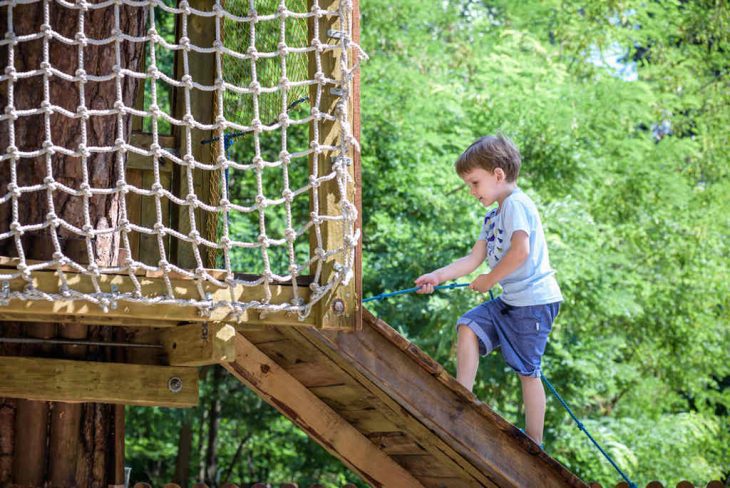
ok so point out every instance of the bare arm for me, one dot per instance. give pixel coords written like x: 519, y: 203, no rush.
x: 515, y: 257
x: 457, y: 269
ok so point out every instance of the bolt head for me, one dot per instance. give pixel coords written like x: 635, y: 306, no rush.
x: 338, y: 307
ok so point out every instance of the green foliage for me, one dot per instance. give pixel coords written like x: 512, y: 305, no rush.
x: 631, y: 178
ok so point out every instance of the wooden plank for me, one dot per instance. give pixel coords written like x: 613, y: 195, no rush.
x: 369, y: 421
x: 199, y: 344
x: 316, y: 374
x: 63, y: 380
x: 328, y: 196
x: 134, y: 209
x: 48, y: 282
x: 286, y: 353
x: 344, y: 397
x: 487, y: 442
x: 291, y: 398
x: 396, y: 443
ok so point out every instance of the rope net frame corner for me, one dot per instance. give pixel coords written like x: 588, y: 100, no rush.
x: 68, y: 270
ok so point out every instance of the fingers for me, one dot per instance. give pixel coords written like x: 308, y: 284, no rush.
x: 426, y: 288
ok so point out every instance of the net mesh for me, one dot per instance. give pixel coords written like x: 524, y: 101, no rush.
x: 262, y: 214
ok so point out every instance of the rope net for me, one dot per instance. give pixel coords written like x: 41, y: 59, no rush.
x: 263, y: 210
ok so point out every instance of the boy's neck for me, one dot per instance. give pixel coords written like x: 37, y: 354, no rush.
x: 506, y: 191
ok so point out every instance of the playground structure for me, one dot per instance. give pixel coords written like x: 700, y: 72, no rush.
x: 158, y: 216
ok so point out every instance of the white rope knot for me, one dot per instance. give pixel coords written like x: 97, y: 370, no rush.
x: 122, y: 187
x: 290, y: 235
x: 159, y: 229
x: 49, y: 183
x: 320, y: 78
x: 47, y: 31
x: 85, y: 188
x: 283, y: 49
x: 288, y: 195
x: 185, y: 43
x: 158, y: 189
x: 187, y: 80
x: 81, y: 110
x: 12, y: 151
x: 17, y: 230
x: 264, y: 241
x: 14, y: 190
x: 252, y: 53
x: 88, y: 230
x: 12, y: 76
x: 81, y: 39
x: 261, y: 202
x: 314, y: 182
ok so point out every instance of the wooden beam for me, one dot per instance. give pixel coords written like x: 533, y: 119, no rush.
x: 395, y: 373
x: 348, y: 314
x: 199, y: 344
x: 320, y: 422
x: 61, y: 380
x: 48, y: 282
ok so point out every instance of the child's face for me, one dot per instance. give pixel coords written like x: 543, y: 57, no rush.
x: 484, y: 185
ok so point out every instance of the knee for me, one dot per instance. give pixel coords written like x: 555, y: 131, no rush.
x: 466, y: 335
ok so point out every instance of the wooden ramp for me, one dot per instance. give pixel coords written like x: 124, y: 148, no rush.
x: 387, y: 410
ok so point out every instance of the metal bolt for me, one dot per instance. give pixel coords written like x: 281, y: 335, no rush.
x: 175, y: 384
x: 338, y: 306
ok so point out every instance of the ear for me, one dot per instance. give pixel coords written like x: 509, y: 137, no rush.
x: 500, y: 174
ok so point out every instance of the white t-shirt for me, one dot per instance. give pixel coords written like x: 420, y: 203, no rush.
x: 533, y: 283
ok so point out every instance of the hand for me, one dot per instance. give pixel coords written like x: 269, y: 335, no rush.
x: 483, y: 283
x: 427, y: 282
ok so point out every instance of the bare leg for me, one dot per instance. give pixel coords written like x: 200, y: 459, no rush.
x: 467, y: 357
x: 533, y: 394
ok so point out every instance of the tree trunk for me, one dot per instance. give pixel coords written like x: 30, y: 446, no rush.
x: 214, y: 416
x: 184, y: 448
x: 55, y: 443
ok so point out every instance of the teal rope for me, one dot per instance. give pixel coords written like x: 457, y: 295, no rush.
x: 583, y: 428
x: 411, y: 290
x: 542, y: 376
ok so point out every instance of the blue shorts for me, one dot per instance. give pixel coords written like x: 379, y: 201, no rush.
x: 520, y: 332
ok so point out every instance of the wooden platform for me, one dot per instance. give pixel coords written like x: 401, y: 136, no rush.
x: 387, y: 410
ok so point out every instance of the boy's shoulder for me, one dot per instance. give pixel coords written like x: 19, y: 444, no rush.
x: 519, y: 197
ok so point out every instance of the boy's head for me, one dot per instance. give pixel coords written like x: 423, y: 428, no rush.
x: 489, y: 153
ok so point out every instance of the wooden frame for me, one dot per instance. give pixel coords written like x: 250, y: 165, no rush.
x: 68, y: 381
x: 273, y: 384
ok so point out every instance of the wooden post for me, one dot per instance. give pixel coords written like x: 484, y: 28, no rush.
x: 342, y: 309
x: 201, y: 32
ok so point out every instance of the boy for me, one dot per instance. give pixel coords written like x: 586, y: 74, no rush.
x: 512, y: 241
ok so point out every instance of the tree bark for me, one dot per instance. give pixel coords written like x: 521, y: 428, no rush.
x: 184, y: 448
x: 63, y: 444
x: 214, y: 415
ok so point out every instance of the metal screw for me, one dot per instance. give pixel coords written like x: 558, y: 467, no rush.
x: 175, y: 384
x: 338, y: 306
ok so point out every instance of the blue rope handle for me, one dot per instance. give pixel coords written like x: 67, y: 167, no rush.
x: 412, y: 290
x: 542, y: 376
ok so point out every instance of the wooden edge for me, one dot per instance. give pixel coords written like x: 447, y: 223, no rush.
x: 273, y: 384
x: 68, y: 381
x: 199, y: 344
x: 357, y: 170
x: 49, y: 282
x: 439, y: 372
